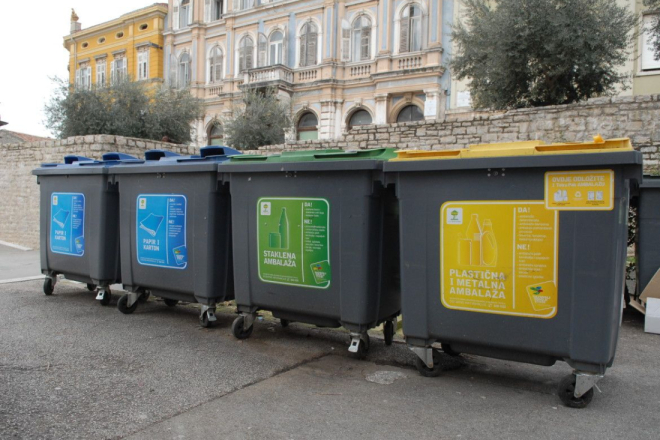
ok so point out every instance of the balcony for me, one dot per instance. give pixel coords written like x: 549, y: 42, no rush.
x: 213, y: 90
x: 278, y: 75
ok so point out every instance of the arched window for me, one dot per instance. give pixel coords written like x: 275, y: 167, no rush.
x: 184, y: 70
x: 215, y: 65
x: 245, y: 54
x: 360, y: 117
x: 410, y: 113
x: 276, y: 46
x: 410, y: 36
x: 216, y: 134
x: 308, y: 44
x: 308, y: 127
x: 361, y: 39
x: 185, y: 13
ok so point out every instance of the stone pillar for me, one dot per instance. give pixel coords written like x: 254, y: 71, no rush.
x: 381, y: 109
x: 434, y: 106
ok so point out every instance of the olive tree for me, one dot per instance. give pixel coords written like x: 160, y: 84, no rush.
x: 654, y: 5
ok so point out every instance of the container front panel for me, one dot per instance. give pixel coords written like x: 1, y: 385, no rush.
x: 79, y: 227
x: 648, y: 240
x: 175, y: 235
x: 309, y: 245
x: 501, y: 270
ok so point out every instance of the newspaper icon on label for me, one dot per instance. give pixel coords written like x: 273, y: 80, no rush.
x: 151, y: 224
x: 60, y: 218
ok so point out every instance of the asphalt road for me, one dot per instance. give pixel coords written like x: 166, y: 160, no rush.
x: 70, y: 368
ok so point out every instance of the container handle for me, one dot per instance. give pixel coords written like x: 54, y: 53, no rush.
x: 157, y: 154
x: 72, y: 158
x: 110, y: 157
x: 217, y: 150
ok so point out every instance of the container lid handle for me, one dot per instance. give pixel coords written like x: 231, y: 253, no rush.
x: 157, y: 154
x: 72, y: 158
x: 108, y: 157
x: 217, y: 150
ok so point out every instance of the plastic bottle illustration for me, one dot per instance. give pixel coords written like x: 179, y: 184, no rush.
x: 474, y: 234
x: 284, y: 230
x: 464, y: 245
x: 488, y: 245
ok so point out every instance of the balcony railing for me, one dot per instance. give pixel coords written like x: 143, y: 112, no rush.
x: 409, y: 61
x: 213, y: 90
x: 269, y: 73
x: 358, y: 71
x: 307, y: 75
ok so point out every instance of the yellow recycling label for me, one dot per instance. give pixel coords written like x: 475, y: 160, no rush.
x: 499, y: 257
x: 591, y: 190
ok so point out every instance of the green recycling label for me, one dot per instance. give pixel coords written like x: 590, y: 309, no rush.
x: 293, y: 241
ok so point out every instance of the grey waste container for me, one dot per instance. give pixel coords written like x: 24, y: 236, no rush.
x: 315, y: 241
x: 516, y: 252
x: 647, y: 246
x: 79, y: 222
x: 175, y: 230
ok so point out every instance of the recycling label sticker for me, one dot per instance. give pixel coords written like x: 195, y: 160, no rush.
x: 161, y: 230
x: 293, y: 241
x: 591, y: 190
x: 67, y: 224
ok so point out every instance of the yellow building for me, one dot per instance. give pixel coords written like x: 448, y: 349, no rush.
x: 130, y: 46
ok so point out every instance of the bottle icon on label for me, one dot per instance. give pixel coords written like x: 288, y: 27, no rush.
x: 478, y: 246
x: 474, y: 234
x: 464, y: 250
x: 284, y: 230
x: 488, y: 245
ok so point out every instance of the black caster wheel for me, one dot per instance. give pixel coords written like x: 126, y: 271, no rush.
x: 91, y: 287
x: 144, y: 297
x: 363, y: 348
x: 122, y: 305
x: 566, y: 392
x: 430, y: 372
x: 171, y: 302
x: 237, y: 328
x: 388, y: 332
x: 204, y: 320
x: 284, y: 323
x: 105, y: 299
x: 446, y: 349
x: 48, y: 286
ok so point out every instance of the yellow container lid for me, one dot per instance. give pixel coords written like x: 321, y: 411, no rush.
x: 524, y: 148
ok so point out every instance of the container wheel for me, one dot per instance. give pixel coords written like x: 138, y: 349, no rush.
x: 446, y: 349
x: 388, y: 332
x: 48, y: 286
x: 237, y: 328
x: 122, y: 305
x: 204, y: 320
x: 284, y: 323
x: 144, y: 297
x: 566, y: 393
x: 107, y: 296
x: 430, y: 372
x: 91, y: 287
x: 170, y: 302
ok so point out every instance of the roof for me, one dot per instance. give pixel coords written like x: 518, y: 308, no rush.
x: 117, y: 21
x: 14, y: 137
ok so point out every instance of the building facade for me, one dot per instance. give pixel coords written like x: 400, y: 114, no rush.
x: 130, y: 46
x: 342, y: 63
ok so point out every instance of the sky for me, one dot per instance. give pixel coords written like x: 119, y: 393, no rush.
x: 32, y: 47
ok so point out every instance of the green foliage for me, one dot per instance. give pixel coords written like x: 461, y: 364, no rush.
x: 654, y: 5
x: 132, y: 109
x: 260, y: 119
x: 527, y: 53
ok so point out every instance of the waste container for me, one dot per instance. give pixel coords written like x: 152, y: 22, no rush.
x: 175, y: 230
x: 78, y: 222
x: 647, y: 246
x: 315, y: 241
x: 516, y: 251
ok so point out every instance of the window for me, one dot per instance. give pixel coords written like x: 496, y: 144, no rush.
x: 410, y: 113
x: 84, y: 77
x: 84, y: 45
x: 649, y: 60
x: 100, y: 73
x: 308, y: 44
x: 118, y: 71
x: 185, y: 13
x: 212, y: 10
x: 245, y: 54
x: 410, y: 36
x: 143, y: 65
x: 215, y: 65
x: 101, y: 40
x: 245, y: 4
x: 360, y: 117
x: 261, y: 50
x: 119, y: 35
x: 216, y: 133
x: 361, y: 38
x: 184, y: 70
x: 143, y: 27
x: 276, y: 48
x: 307, y: 127
x: 217, y: 10
x: 345, y: 41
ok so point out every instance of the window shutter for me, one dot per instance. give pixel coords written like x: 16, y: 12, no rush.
x: 76, y: 82
x: 311, y: 48
x: 249, y: 55
x: 303, y: 50
x: 172, y: 78
x: 263, y: 46
x: 190, y: 13
x: 236, y: 5
x: 208, y: 17
x: 404, y: 32
x: 366, y: 33
x: 218, y: 68
x: 175, y: 15
x: 345, y: 44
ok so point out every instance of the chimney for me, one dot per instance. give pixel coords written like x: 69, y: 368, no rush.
x: 75, y: 26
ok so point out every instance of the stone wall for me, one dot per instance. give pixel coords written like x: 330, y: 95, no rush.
x: 19, y: 192
x: 637, y: 117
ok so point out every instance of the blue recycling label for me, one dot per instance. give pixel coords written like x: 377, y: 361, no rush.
x: 161, y: 230
x: 67, y: 224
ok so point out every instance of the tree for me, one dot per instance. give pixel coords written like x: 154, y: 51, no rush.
x: 526, y: 53
x: 259, y: 120
x: 654, y: 5
x: 128, y: 108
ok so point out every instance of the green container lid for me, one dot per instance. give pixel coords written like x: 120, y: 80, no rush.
x: 316, y: 155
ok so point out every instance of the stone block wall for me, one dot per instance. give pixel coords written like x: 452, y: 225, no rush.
x: 19, y: 192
